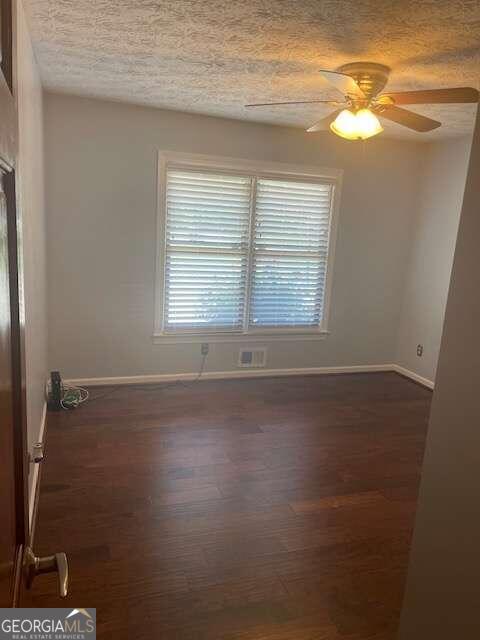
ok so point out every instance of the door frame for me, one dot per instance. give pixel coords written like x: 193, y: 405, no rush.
x: 21, y: 461
x: 8, y: 162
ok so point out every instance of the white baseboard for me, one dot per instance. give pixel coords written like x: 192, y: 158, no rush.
x: 249, y: 373
x: 36, y: 470
x: 225, y: 375
x: 413, y: 376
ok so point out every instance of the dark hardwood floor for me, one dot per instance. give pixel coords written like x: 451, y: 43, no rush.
x: 272, y: 509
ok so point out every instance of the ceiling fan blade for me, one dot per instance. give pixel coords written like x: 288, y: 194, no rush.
x: 272, y: 104
x: 434, y: 96
x: 407, y: 118
x: 345, y: 84
x: 324, y: 123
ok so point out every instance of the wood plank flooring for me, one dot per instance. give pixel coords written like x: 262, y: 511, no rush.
x: 263, y: 509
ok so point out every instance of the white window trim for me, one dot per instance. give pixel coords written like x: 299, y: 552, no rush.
x: 261, y: 169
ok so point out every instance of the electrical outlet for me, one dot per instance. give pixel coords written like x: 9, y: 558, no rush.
x: 419, y: 350
x: 204, y: 348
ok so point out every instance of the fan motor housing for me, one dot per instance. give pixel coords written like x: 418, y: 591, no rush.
x: 370, y: 76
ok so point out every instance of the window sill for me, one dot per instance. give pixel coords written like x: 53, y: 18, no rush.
x: 257, y: 336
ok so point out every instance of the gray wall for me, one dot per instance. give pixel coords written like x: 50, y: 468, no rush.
x: 442, y: 593
x: 31, y: 201
x: 101, y: 200
x: 429, y: 264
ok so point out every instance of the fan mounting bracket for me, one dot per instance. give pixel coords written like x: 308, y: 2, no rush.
x: 370, y: 76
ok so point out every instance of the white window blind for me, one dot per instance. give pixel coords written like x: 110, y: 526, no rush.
x: 244, y: 253
x: 292, y: 221
x: 206, y: 250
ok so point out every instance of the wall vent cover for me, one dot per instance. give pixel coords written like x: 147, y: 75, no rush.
x: 252, y: 358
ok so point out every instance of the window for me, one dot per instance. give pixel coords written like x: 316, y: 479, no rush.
x: 244, y: 252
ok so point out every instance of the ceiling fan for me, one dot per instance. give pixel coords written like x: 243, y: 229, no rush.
x: 361, y: 84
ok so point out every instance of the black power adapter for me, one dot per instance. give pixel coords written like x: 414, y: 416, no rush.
x: 56, y: 391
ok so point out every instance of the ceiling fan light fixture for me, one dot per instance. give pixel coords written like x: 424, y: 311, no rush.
x: 361, y: 84
x: 356, y: 126
x: 345, y: 125
x: 368, y: 124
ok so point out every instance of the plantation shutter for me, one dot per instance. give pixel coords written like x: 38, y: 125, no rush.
x: 207, y: 226
x: 290, y: 252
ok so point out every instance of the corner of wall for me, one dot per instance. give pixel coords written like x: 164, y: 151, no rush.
x: 433, y: 231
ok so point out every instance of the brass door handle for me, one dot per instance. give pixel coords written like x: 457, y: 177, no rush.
x: 34, y: 566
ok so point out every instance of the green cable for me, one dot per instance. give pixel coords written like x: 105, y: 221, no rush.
x: 71, y: 398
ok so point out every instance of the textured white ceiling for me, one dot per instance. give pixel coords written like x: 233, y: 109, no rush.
x: 213, y: 56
